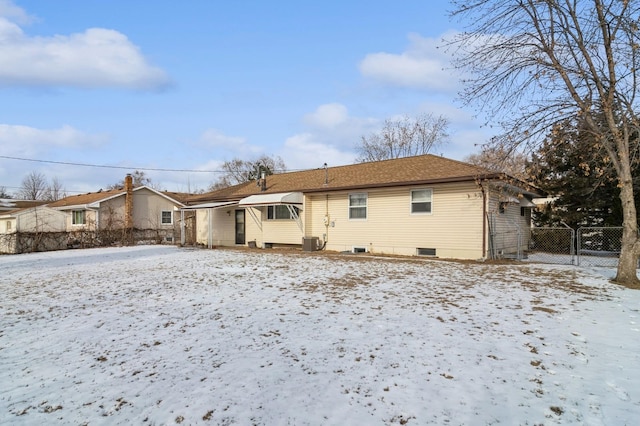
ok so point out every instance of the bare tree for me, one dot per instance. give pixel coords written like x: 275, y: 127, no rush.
x: 139, y: 178
x: 238, y: 171
x: 531, y: 64
x: 55, y: 190
x: 499, y: 158
x: 404, y: 137
x: 4, y: 193
x: 33, y: 187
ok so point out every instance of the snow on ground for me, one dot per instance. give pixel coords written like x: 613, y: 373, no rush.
x: 163, y: 335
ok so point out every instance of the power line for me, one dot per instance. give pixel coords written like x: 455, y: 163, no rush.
x: 104, y: 166
x: 65, y: 191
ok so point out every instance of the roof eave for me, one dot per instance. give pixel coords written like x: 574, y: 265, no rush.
x: 471, y: 178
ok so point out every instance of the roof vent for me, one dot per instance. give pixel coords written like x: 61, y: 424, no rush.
x: 326, y: 175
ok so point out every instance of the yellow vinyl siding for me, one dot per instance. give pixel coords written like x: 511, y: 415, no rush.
x: 223, y: 230
x: 254, y: 224
x: 278, y: 231
x: 454, y: 226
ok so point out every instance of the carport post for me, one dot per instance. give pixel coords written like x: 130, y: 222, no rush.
x: 182, y: 236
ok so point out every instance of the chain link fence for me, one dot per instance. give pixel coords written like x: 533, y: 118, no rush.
x: 590, y: 246
x: 552, y: 245
x: 599, y: 246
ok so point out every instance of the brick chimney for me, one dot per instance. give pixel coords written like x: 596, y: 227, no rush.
x: 128, y: 202
x: 263, y: 181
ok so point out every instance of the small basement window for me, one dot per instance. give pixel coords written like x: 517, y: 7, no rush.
x: 359, y: 249
x: 426, y: 251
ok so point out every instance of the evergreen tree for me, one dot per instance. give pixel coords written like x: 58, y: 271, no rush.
x: 571, y: 168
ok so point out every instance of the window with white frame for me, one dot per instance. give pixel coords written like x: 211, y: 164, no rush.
x: 167, y: 217
x: 280, y: 212
x: 421, y: 201
x: 358, y: 206
x: 78, y: 217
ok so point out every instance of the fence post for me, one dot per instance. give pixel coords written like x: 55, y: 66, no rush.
x: 572, y: 247
x: 578, y: 245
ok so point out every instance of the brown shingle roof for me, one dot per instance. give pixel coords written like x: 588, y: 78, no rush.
x: 178, y: 196
x: 422, y: 169
x: 82, y: 199
x: 92, y: 197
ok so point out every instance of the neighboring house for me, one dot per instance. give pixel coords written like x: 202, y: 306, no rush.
x: 148, y: 213
x: 38, y: 228
x: 422, y: 205
x: 10, y: 204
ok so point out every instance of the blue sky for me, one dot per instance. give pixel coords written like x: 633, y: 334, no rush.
x: 188, y: 85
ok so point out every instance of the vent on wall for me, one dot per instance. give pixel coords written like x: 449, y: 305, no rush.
x: 359, y: 250
x: 426, y: 251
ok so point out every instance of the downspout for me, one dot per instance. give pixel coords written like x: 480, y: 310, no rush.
x: 326, y: 209
x: 210, y: 229
x: 485, y: 218
x: 326, y: 222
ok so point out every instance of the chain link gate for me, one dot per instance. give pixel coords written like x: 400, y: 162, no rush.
x: 552, y: 245
x: 589, y: 246
x: 599, y: 246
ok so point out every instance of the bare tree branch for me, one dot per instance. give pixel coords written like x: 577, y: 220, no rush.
x: 33, y: 187
x: 404, y: 137
x: 240, y: 171
x: 534, y: 64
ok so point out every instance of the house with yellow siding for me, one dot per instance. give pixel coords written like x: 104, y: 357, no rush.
x: 417, y: 206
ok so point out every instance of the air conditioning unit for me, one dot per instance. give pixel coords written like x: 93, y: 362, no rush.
x: 310, y: 243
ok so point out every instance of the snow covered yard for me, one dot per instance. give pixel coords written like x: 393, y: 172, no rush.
x: 162, y: 335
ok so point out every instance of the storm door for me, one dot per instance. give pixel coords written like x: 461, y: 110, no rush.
x: 240, y: 227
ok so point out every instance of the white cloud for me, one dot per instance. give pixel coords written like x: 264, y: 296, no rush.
x: 226, y: 146
x: 332, y: 124
x: 304, y: 151
x: 97, y: 57
x: 327, y: 116
x: 215, y: 138
x: 16, y: 140
x: 63, y: 143
x: 421, y: 66
x: 16, y: 13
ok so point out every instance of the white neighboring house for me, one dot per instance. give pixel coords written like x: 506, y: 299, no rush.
x: 25, y: 229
